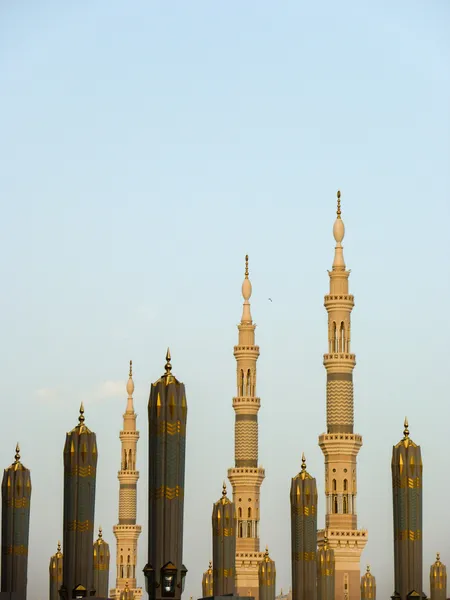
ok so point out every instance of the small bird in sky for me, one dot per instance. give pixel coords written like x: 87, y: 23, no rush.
x: 270, y: 299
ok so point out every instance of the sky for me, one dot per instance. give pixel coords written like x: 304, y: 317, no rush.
x: 145, y: 148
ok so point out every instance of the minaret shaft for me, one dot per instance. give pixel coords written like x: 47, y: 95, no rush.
x: 246, y: 477
x: 340, y: 445
x: 127, y: 531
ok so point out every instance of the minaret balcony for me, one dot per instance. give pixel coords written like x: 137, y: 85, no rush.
x: 130, y: 532
x: 339, y: 362
x: 129, y: 435
x: 340, y: 443
x: 246, y: 476
x: 334, y: 301
x: 249, y: 352
x: 249, y: 404
x: 128, y: 476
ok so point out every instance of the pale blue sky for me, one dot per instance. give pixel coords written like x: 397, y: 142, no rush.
x: 145, y: 148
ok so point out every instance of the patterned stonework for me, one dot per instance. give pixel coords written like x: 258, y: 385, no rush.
x: 340, y: 402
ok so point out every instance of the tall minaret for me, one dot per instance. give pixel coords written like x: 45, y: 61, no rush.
x: 246, y: 477
x: 406, y: 467
x: 126, y: 531
x: 101, y: 566
x: 340, y: 445
x: 16, y: 496
x: 56, y: 573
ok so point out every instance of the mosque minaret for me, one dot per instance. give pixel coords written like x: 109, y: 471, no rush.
x: 246, y: 476
x: 340, y: 445
x: 126, y: 531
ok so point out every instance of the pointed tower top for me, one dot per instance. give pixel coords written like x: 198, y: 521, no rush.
x: 325, y: 542
x: 303, y: 462
x: 338, y: 233
x: 17, y: 455
x: 58, y: 549
x: 81, y: 417
x: 368, y: 569
x: 338, y: 212
x: 246, y: 266
x: 246, y: 294
x: 438, y: 557
x: 100, y: 533
x: 224, y: 490
x: 168, y: 366
x: 266, y: 554
x: 210, y: 565
x: 130, y: 388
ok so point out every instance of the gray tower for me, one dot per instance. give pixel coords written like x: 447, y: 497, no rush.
x: 101, y: 566
x: 267, y: 577
x: 368, y: 586
x: 56, y: 573
x: 325, y: 572
x: 224, y: 545
x: 438, y: 580
x: 167, y: 413
x: 16, y: 495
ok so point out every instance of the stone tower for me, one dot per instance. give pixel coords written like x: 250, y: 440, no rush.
x: 16, y: 496
x: 325, y: 572
x: 438, y: 580
x: 167, y: 414
x: 224, y: 545
x: 267, y: 577
x: 56, y: 573
x: 368, y: 586
x: 126, y: 531
x: 304, y: 535
x: 407, y: 503
x: 101, y: 566
x: 208, y: 582
x: 340, y: 445
x: 80, y: 469
x: 246, y: 477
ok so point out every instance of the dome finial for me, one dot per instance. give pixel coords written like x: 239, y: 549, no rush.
x: 224, y: 490
x: 303, y: 462
x: 246, y: 266
x: 406, y: 430
x: 81, y: 417
x: 246, y: 294
x: 130, y: 374
x: 130, y: 387
x: 168, y: 366
x: 438, y: 557
x: 100, y: 533
x: 338, y: 212
x: 210, y: 565
x: 368, y: 569
x: 58, y: 550
x: 17, y: 455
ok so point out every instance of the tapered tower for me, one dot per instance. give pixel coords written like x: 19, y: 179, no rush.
x: 407, y: 503
x: 325, y: 572
x: 438, y: 580
x: 16, y: 496
x: 303, y: 535
x: 80, y: 470
x: 340, y: 445
x: 127, y: 532
x: 368, y: 586
x: 246, y: 477
x: 167, y: 414
x: 207, y: 582
x: 224, y: 545
x: 101, y: 566
x: 56, y: 573
x: 267, y: 577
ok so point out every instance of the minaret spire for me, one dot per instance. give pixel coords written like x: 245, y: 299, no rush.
x: 127, y: 531
x: 340, y: 445
x: 246, y: 477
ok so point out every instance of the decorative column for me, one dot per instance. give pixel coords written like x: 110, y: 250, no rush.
x: 80, y: 470
x: 56, y: 573
x: 438, y: 580
x: 101, y: 566
x: 304, y: 535
x: 340, y: 445
x: 247, y: 476
x: 406, y: 469
x: 127, y: 532
x: 224, y: 545
x: 207, y: 582
x: 267, y: 577
x: 16, y: 496
x: 368, y: 586
x: 325, y: 572
x: 167, y: 414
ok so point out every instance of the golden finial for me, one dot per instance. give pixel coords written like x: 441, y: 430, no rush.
x: 368, y: 569
x: 130, y: 374
x: 438, y: 557
x: 338, y: 212
x: 17, y: 455
x: 303, y: 462
x: 246, y: 266
x: 266, y: 554
x: 59, y: 547
x: 168, y: 366
x: 126, y: 585
x: 406, y: 430
x: 224, y: 490
x: 210, y: 565
x: 325, y: 542
x: 100, y: 533
x: 81, y: 417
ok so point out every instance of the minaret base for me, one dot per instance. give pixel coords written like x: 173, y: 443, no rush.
x: 348, y: 546
x: 247, y: 581
x: 115, y: 594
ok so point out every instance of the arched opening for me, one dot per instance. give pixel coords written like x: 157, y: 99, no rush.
x: 121, y: 566
x: 249, y: 383
x: 241, y: 384
x: 128, y: 566
x: 345, y: 505
x: 335, y: 505
x: 335, y: 338
x: 241, y: 533
x: 130, y: 460
x: 249, y: 530
x: 249, y: 513
x: 124, y: 464
x: 240, y: 512
x: 334, y: 485
x: 345, y: 485
x: 342, y: 336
